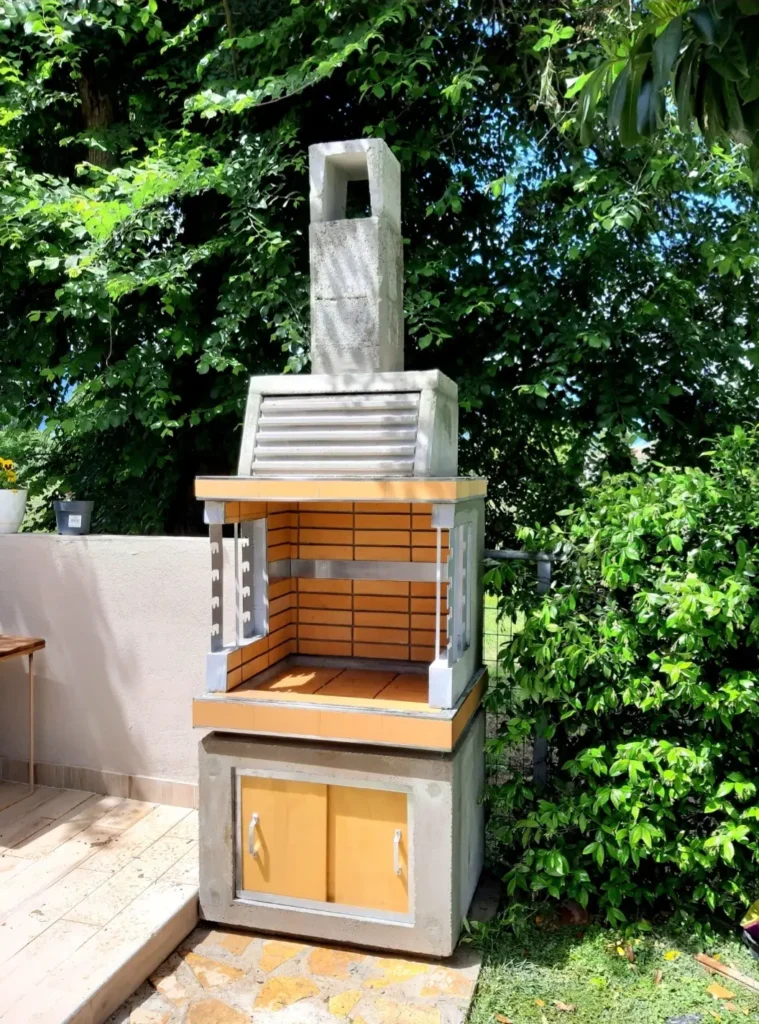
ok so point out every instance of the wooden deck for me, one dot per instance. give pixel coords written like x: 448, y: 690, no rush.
x: 94, y: 892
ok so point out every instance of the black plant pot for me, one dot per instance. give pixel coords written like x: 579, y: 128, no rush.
x: 73, y: 516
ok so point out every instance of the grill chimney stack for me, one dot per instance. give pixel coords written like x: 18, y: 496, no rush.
x: 356, y: 264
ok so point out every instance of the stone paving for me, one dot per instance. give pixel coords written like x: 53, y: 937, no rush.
x: 220, y: 976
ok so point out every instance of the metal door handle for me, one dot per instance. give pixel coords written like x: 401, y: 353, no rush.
x: 252, y: 835
x: 397, y: 851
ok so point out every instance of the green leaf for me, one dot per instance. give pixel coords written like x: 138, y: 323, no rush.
x: 685, y: 73
x: 628, y: 121
x: 646, y: 107
x: 705, y: 23
x: 617, y: 98
x: 665, y: 52
x: 576, y: 84
x: 748, y: 89
x: 730, y: 61
x: 735, y: 123
x: 711, y: 116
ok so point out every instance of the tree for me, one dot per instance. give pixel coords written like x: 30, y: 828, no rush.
x: 703, y: 59
x: 153, y: 239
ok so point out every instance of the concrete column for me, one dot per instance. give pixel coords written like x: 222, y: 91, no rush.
x: 356, y: 264
x: 217, y: 588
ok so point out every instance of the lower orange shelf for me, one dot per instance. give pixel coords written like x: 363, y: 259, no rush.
x: 354, y: 687
x: 343, y: 705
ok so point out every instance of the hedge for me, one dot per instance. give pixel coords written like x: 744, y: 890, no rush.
x: 640, y: 667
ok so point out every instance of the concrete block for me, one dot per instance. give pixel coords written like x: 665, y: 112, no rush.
x: 353, y: 383
x: 216, y: 671
x: 333, y: 164
x: 437, y: 442
x: 355, y: 258
x: 469, y: 851
x: 445, y: 843
x: 353, y: 335
x: 449, y: 675
x: 356, y: 296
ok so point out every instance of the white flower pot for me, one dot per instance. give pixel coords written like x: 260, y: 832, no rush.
x: 12, y: 508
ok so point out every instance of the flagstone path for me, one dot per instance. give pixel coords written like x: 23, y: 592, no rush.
x: 220, y: 976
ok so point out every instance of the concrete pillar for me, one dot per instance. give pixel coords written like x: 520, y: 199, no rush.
x: 356, y: 264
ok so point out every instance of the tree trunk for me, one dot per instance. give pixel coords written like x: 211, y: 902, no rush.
x: 98, y: 111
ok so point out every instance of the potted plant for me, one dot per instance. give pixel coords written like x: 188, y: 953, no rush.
x: 73, y: 517
x: 12, y: 498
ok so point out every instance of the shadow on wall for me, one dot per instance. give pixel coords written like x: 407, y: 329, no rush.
x: 125, y: 620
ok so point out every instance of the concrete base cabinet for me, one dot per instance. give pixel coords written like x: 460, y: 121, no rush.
x: 344, y: 844
x: 341, y: 785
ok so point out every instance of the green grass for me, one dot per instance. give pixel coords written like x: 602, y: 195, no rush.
x: 585, y: 970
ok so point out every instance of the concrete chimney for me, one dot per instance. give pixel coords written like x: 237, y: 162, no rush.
x: 356, y: 264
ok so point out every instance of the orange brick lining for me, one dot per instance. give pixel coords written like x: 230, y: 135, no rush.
x: 345, y: 618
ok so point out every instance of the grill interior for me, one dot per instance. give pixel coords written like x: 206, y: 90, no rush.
x: 337, y: 435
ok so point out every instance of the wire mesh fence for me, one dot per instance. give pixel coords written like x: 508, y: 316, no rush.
x: 497, y: 633
x: 530, y: 757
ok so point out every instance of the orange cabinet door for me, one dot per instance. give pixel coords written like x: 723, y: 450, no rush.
x: 283, y: 837
x: 367, y: 844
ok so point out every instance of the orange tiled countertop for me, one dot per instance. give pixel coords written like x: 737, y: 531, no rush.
x: 246, y: 488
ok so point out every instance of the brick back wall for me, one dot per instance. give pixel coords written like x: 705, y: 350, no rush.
x: 368, y: 619
x: 347, y: 618
x: 366, y: 531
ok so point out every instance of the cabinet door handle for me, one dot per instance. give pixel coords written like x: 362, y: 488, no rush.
x: 252, y: 850
x: 397, y: 851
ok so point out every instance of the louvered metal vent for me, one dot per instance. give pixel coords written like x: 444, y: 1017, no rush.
x: 337, y: 435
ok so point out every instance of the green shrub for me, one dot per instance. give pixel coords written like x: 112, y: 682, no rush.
x: 640, y: 666
x: 31, y: 451
x: 52, y: 465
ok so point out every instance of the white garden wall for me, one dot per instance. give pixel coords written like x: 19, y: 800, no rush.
x: 126, y: 620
